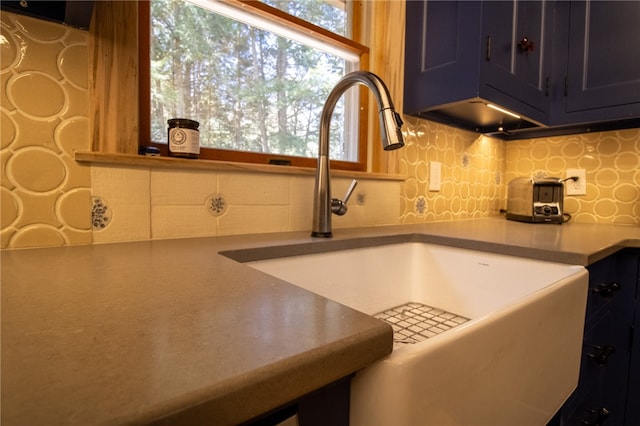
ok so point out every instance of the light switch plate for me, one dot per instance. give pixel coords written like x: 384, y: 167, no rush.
x: 435, y: 175
x: 577, y: 187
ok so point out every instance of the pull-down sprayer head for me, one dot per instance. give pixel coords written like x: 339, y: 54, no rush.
x: 391, y: 129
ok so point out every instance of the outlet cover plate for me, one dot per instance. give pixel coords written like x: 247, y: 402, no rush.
x: 578, y: 187
x: 435, y: 175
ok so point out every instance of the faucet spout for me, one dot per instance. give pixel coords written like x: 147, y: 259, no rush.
x: 390, y: 131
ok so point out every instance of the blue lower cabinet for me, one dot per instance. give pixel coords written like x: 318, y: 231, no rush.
x: 325, y: 406
x: 633, y: 396
x: 610, y: 366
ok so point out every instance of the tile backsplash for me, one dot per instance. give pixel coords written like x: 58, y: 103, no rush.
x: 48, y: 199
x: 45, y: 102
x: 472, y: 173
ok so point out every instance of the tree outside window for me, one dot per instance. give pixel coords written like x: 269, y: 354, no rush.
x: 250, y: 89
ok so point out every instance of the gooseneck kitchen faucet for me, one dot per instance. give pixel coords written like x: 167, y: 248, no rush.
x: 390, y: 132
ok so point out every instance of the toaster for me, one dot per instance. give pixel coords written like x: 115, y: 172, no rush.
x: 535, y: 200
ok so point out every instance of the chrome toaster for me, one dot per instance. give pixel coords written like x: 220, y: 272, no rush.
x: 535, y: 200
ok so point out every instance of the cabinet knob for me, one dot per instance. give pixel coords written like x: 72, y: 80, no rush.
x: 526, y: 45
x: 601, y: 353
x: 596, y: 417
x: 606, y: 289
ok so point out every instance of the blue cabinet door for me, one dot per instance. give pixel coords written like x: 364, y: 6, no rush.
x: 633, y: 397
x: 602, y: 65
x: 516, y: 69
x: 442, y: 56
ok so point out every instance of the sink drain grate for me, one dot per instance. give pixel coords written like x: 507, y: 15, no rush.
x: 415, y: 322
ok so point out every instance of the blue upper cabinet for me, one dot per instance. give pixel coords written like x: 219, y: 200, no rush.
x: 516, y: 68
x: 461, y: 56
x: 562, y: 67
x: 76, y: 13
x: 442, y: 54
x: 601, y: 68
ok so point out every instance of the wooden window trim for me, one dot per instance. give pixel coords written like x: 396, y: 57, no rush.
x: 113, y: 77
x: 144, y: 102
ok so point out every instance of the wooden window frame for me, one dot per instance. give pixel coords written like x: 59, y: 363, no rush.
x: 144, y: 87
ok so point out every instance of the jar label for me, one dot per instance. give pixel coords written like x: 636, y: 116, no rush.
x: 184, y: 141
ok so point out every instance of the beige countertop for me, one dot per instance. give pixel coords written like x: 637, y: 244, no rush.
x: 137, y: 332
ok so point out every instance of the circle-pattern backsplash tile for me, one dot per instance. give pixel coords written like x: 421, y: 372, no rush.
x: 628, y: 161
x: 9, y: 208
x: 50, y: 101
x: 9, y: 51
x: 36, y: 170
x: 8, y: 130
x: 39, y: 33
x: 70, y: 135
x: 68, y: 60
x: 44, y: 120
x: 70, y: 209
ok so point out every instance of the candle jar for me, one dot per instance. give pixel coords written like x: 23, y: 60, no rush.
x: 184, y: 138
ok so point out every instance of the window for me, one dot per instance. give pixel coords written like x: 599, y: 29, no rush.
x: 253, y: 76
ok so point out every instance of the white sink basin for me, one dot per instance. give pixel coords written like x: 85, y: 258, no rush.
x: 514, y: 362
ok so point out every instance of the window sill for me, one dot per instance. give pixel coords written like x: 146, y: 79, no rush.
x: 130, y: 160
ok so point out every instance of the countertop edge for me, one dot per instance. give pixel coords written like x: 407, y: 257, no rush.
x: 268, y: 388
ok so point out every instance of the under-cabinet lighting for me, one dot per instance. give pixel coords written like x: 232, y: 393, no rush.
x: 265, y: 24
x: 504, y: 111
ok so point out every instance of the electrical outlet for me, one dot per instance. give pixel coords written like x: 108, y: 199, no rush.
x: 579, y: 186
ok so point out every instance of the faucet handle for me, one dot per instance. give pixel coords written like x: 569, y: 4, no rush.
x: 339, y: 207
x: 353, y: 185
